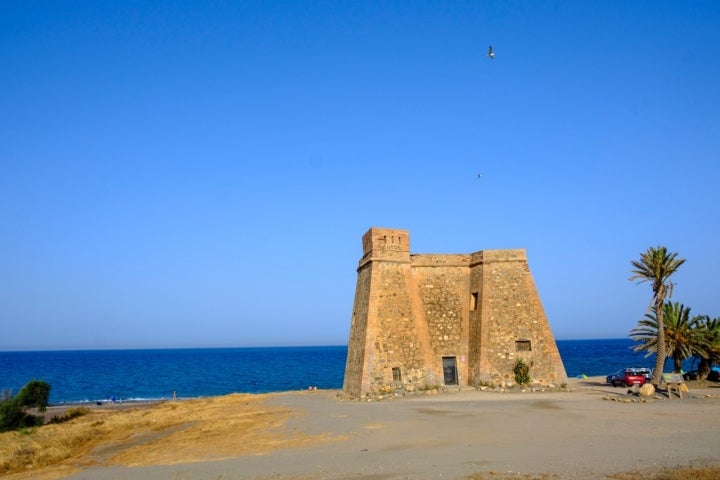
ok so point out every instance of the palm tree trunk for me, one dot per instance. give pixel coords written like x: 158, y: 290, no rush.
x: 677, y: 363
x: 703, y: 369
x: 660, y: 347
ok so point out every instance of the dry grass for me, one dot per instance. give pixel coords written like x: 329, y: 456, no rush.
x: 165, y: 433
x: 506, y: 476
x: 703, y: 473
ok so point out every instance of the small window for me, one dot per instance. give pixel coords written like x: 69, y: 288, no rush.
x: 522, y: 346
x: 473, y: 301
x: 396, y: 374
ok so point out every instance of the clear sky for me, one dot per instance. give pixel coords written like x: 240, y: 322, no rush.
x: 178, y: 174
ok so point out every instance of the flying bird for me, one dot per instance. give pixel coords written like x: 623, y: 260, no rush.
x: 491, y: 54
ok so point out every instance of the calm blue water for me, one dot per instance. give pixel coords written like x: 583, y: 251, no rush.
x: 91, y: 375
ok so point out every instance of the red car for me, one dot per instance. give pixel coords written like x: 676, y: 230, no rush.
x: 627, y: 377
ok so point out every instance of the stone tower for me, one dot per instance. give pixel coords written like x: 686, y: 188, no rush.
x: 431, y: 319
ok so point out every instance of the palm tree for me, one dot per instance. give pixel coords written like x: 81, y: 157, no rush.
x: 683, y: 335
x: 710, y: 351
x: 656, y: 266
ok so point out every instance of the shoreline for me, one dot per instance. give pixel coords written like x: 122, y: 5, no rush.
x: 573, y: 384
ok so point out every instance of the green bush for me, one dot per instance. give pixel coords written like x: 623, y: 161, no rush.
x: 13, y: 414
x: 522, y: 372
x: 34, y: 395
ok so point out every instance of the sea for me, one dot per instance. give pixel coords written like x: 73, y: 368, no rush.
x: 78, y: 376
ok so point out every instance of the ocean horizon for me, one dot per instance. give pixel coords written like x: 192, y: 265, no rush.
x: 154, y: 374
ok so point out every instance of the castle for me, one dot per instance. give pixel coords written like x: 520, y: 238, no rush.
x: 425, y: 320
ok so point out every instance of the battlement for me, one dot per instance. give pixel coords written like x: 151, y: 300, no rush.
x: 493, y: 256
x: 388, y: 244
x: 439, y: 260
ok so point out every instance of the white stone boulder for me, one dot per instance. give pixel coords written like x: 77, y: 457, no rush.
x: 647, y: 390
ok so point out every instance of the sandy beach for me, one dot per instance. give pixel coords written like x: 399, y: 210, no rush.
x: 591, y: 431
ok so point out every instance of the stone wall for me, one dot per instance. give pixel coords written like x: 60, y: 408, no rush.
x: 510, y: 321
x: 441, y: 283
x: 358, y: 347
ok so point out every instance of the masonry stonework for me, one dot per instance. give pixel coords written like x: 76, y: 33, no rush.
x: 421, y: 321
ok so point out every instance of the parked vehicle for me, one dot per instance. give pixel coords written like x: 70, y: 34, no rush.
x: 713, y: 376
x: 628, y: 376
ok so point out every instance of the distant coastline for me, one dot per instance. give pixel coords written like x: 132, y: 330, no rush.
x: 7, y: 349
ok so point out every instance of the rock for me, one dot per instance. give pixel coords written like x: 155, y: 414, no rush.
x: 647, y: 390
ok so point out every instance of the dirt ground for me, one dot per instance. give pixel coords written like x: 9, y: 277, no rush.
x: 589, y: 432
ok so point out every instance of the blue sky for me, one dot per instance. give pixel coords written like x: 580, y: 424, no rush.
x: 201, y: 173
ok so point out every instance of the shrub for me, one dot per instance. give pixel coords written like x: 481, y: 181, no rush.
x: 13, y: 417
x: 34, y: 395
x: 13, y: 414
x: 522, y: 372
x: 70, y: 414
